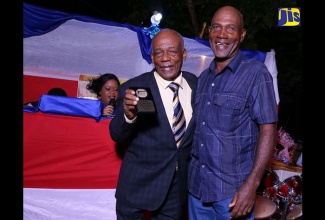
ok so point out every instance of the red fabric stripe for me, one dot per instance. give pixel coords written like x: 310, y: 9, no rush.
x: 35, y: 86
x: 67, y: 152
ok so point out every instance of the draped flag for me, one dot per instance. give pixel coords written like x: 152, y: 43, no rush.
x: 59, y: 45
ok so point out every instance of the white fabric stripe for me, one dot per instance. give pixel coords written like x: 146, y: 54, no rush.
x: 271, y: 66
x: 69, y: 204
x: 85, y: 53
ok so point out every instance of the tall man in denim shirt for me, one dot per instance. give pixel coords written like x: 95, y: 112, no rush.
x: 236, y: 119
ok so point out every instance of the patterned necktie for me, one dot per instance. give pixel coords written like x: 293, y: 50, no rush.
x: 179, y: 123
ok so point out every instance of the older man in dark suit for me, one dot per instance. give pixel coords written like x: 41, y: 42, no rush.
x: 153, y: 175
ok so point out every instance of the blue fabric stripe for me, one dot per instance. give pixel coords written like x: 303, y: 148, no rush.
x: 38, y: 21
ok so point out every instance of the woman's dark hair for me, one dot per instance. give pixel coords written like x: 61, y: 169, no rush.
x: 97, y: 83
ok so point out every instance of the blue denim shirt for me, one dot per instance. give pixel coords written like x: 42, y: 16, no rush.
x: 229, y: 107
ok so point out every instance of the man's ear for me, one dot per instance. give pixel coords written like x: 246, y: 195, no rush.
x: 242, y: 36
x: 152, y: 58
x: 184, y: 54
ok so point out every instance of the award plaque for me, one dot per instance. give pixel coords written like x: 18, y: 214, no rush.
x: 145, y: 103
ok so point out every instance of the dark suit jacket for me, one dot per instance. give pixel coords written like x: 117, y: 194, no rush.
x: 149, y: 162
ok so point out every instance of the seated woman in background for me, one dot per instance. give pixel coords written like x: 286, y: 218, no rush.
x: 106, y: 88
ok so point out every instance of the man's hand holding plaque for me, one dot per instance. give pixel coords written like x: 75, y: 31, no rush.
x: 145, y: 103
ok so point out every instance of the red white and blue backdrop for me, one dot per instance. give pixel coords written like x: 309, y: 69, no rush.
x: 58, y: 47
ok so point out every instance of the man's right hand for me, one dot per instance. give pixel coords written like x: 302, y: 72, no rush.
x: 129, y: 103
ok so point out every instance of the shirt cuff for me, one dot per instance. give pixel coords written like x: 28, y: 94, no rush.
x: 130, y: 121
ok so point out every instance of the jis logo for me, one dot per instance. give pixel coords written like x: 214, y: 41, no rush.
x: 288, y: 17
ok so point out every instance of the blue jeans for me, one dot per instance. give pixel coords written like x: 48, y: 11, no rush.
x: 212, y: 211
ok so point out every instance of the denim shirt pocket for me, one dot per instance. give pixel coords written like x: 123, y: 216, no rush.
x: 227, y: 111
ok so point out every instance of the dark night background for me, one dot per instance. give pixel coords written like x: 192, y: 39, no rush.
x: 187, y: 17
